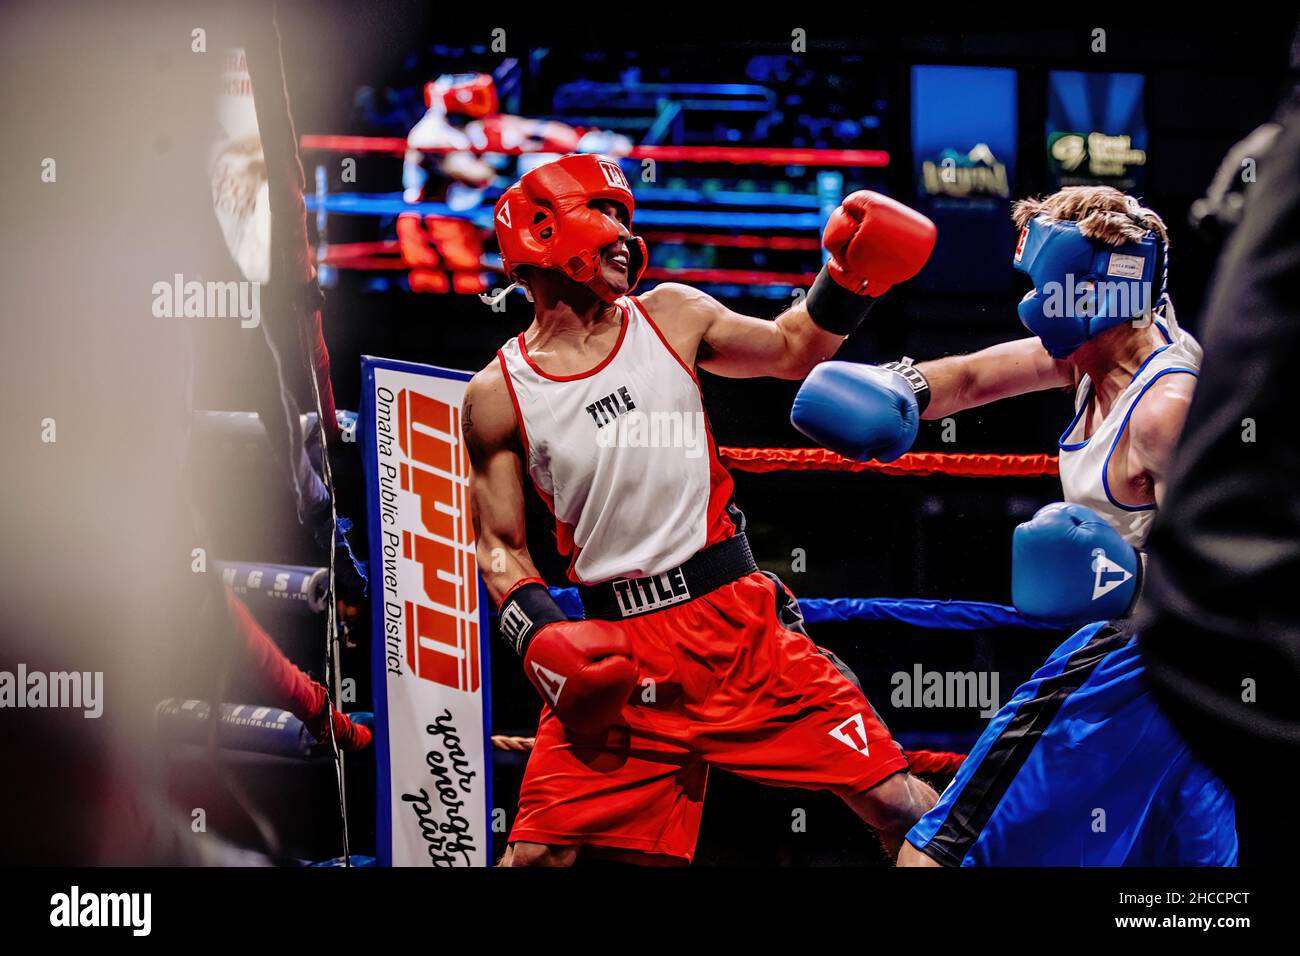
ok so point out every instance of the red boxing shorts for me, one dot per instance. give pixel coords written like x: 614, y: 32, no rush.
x: 722, y: 683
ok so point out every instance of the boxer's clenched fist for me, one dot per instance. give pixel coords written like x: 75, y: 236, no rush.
x: 1069, y: 566
x: 859, y: 411
x: 584, y: 670
x: 876, y: 242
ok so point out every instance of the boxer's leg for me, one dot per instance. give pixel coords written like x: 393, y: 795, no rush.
x: 911, y: 856
x: 1081, y: 768
x: 949, y: 832
x: 538, y: 854
x: 522, y: 853
x: 893, y: 806
x: 629, y: 794
x: 804, y: 724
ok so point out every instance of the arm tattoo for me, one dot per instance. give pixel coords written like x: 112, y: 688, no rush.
x: 466, y: 422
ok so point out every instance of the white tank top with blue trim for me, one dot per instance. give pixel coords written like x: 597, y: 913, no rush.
x: 1084, y: 461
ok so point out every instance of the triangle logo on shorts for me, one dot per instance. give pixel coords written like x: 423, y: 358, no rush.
x: 549, y: 683
x: 853, y: 734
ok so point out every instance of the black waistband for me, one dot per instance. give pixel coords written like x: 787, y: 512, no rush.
x: 707, y: 571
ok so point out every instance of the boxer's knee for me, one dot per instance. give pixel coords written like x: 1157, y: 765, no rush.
x: 895, y: 804
x: 538, y: 854
x: 911, y: 856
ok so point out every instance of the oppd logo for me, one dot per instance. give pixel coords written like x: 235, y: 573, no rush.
x: 853, y: 734
x: 1108, y: 574
x: 613, y: 175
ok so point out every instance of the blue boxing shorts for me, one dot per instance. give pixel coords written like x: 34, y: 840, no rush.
x: 1081, y: 768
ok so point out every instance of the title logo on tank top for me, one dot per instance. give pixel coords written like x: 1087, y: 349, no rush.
x: 605, y: 410
x: 633, y: 428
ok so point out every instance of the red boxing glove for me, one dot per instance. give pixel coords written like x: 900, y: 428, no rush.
x: 584, y: 670
x: 876, y: 242
x: 504, y: 133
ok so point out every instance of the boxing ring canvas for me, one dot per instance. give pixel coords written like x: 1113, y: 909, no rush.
x: 430, y: 621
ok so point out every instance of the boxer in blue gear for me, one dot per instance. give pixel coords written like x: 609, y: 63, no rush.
x: 1079, y: 767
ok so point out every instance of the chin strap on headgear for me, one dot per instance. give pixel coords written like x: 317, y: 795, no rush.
x: 494, y: 297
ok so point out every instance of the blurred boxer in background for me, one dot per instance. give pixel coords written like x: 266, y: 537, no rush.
x: 465, y: 141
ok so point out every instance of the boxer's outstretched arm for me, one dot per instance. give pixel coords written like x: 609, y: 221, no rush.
x: 496, y: 485
x: 703, y: 331
x: 872, y: 244
x: 1000, y: 371
x: 740, y: 346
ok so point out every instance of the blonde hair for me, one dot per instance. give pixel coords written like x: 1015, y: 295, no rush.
x: 1104, y: 214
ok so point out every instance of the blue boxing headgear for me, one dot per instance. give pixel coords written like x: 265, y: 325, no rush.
x: 1082, y: 287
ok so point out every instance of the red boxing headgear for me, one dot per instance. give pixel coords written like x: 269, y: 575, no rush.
x: 546, y: 220
x: 467, y: 94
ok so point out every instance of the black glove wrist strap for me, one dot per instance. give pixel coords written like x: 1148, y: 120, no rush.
x: 526, y: 611
x: 915, y: 378
x: 833, y: 307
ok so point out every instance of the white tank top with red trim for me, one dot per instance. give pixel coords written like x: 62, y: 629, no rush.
x: 1085, y: 460
x: 622, y: 455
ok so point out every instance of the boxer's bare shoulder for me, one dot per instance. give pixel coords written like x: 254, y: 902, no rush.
x: 487, y: 417
x: 676, y: 297
x: 683, y: 314
x: 1157, y: 422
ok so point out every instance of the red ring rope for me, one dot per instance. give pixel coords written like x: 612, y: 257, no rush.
x: 765, y: 460
x: 759, y: 155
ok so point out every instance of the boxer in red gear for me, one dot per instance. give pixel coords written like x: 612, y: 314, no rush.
x: 689, y: 656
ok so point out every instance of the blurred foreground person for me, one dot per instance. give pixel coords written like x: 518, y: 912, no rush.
x: 1220, y: 628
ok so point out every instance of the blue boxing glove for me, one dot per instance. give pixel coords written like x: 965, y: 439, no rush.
x: 1070, y: 567
x: 860, y: 411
